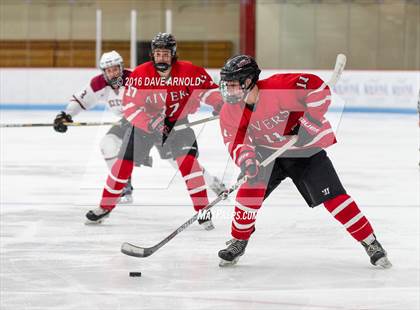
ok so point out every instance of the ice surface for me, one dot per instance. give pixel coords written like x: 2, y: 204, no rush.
x: 299, y: 258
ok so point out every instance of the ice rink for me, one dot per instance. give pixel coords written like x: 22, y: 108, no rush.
x: 299, y: 258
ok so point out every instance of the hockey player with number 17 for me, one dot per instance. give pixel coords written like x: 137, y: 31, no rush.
x: 160, y: 95
x: 258, y: 117
x: 109, y: 88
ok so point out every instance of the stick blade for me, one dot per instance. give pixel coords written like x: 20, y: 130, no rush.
x: 133, y: 250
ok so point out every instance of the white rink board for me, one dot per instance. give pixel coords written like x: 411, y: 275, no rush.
x: 298, y: 258
x: 358, y: 88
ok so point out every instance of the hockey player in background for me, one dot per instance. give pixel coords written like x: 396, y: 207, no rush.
x: 160, y: 94
x: 109, y: 87
x: 258, y: 117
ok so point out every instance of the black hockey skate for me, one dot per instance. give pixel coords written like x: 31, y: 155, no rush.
x: 204, y: 219
x: 230, y: 255
x: 377, y: 254
x: 217, y: 186
x: 96, y: 216
x: 127, y: 194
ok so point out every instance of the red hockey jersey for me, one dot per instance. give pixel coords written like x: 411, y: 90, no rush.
x: 147, y: 94
x: 282, y: 100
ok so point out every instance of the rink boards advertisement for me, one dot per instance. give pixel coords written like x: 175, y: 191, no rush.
x: 360, y: 90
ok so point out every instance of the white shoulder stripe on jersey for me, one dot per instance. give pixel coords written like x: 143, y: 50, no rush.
x: 207, y: 94
x: 128, y: 106
x: 235, y: 150
x: 321, y: 135
x: 318, y: 103
x: 133, y: 115
x: 317, y: 90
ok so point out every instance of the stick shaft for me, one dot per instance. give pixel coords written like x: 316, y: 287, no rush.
x: 132, y: 250
x: 201, y: 121
x: 51, y: 124
x: 340, y: 64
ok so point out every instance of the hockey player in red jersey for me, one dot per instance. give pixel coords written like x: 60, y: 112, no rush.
x: 258, y: 117
x: 161, y: 94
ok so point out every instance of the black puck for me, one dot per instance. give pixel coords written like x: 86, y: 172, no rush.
x: 135, y: 274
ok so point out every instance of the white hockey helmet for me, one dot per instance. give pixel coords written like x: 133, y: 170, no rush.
x: 111, y: 59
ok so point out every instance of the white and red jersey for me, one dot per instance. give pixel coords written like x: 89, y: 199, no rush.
x: 282, y: 100
x: 98, y: 91
x: 148, y: 94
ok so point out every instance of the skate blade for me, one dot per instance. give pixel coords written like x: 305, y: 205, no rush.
x: 98, y: 222
x: 227, y: 263
x: 208, y: 225
x: 383, y: 262
x: 89, y: 222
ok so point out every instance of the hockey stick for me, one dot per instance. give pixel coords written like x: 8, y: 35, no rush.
x: 201, y: 121
x: 137, y: 251
x: 340, y: 63
x: 51, y: 124
x: 178, y: 127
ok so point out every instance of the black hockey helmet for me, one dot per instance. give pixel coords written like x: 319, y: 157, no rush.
x: 165, y: 41
x: 239, y: 68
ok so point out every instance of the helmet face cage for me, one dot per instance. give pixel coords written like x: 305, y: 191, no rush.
x: 109, y: 60
x: 238, y: 68
x: 236, y: 97
x: 115, y: 82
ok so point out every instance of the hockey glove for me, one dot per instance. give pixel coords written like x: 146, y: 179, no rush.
x: 306, y: 129
x: 59, y: 121
x: 217, y: 109
x: 215, y: 112
x: 249, y: 166
x: 157, y: 126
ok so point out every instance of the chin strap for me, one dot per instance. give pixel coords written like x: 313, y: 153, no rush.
x: 246, y: 94
x: 116, y: 82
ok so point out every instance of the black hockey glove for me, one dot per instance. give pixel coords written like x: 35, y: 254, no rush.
x: 215, y: 112
x: 217, y: 109
x: 158, y: 128
x: 306, y: 129
x: 59, y: 121
x: 249, y: 167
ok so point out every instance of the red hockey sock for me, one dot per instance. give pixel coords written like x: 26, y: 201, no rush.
x: 248, y: 200
x: 115, y: 183
x: 193, y: 177
x: 346, y: 211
